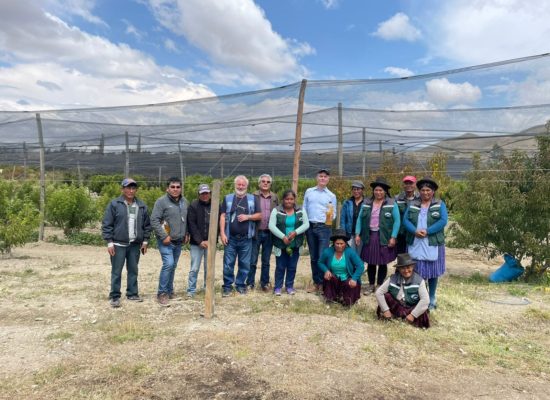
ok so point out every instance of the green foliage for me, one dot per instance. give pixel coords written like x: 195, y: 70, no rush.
x: 18, y: 216
x: 79, y: 239
x: 149, y: 196
x: 504, y: 208
x: 70, y: 208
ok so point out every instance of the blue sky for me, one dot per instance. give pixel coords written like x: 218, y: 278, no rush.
x: 73, y: 53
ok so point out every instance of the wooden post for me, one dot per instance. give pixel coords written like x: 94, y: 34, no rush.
x: 79, y: 173
x: 160, y: 177
x: 25, y: 158
x: 212, y: 241
x: 42, y: 178
x: 340, y: 142
x: 364, y: 152
x: 182, y: 169
x: 298, y: 137
x: 127, y: 165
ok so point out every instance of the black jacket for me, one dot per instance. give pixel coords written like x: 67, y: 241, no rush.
x: 115, y: 222
x: 198, y: 221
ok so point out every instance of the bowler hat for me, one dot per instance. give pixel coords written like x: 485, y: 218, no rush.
x: 382, y: 182
x: 339, y: 234
x: 404, y: 260
x: 427, y: 181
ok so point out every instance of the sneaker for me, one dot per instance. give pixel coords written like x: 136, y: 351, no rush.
x: 190, y: 295
x: 266, y: 288
x: 277, y: 292
x: 115, y: 303
x: 226, y: 293
x: 135, y: 297
x: 241, y: 290
x: 315, y: 288
x: 290, y: 291
x: 368, y: 290
x: 171, y: 296
x: 163, y: 299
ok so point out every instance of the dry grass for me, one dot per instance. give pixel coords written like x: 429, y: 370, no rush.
x: 59, y: 339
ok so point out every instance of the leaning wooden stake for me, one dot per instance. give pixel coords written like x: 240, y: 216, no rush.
x: 212, y: 241
x: 42, y: 178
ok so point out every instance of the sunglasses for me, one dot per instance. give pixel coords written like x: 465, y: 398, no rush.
x: 266, y: 181
x: 175, y: 187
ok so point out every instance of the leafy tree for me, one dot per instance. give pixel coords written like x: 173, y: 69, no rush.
x: 18, y: 216
x: 70, y: 208
x: 504, y: 208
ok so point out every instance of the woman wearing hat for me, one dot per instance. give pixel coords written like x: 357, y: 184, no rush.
x: 404, y: 295
x: 377, y: 227
x: 342, y: 269
x: 425, y: 221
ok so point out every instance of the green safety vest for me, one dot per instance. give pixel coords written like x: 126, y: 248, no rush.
x: 386, y: 220
x: 434, y: 239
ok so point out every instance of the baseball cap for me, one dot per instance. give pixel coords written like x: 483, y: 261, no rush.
x: 357, y: 184
x: 410, y: 178
x: 325, y: 170
x: 204, y: 188
x: 128, y: 182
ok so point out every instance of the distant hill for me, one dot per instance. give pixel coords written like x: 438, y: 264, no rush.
x: 463, y: 146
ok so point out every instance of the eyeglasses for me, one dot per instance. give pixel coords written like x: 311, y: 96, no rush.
x: 175, y: 187
x: 266, y: 181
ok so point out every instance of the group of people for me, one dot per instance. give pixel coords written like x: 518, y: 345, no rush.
x: 375, y: 229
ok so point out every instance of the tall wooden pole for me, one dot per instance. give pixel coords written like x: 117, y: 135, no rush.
x: 340, y: 142
x: 298, y: 137
x: 25, y: 158
x: 127, y: 164
x: 42, y: 178
x: 364, y: 153
x: 212, y: 241
x: 182, y: 170
x: 79, y: 173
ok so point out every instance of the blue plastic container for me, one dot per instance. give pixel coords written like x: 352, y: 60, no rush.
x: 509, y: 271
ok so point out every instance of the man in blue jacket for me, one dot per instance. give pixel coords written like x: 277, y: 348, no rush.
x: 126, y: 228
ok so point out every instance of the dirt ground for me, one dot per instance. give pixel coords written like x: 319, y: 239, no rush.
x: 59, y: 338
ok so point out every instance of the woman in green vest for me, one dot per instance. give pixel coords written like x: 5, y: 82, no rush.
x: 425, y: 221
x: 287, y: 223
x: 377, y: 228
x: 404, y: 295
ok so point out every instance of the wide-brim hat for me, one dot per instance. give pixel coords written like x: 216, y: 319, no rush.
x: 427, y: 181
x: 339, y: 234
x: 404, y: 260
x: 382, y: 182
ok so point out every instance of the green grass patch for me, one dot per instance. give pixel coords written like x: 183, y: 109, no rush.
x: 131, y: 332
x: 537, y: 314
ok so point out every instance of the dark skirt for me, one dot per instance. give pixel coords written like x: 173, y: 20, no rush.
x: 374, y: 253
x: 399, y: 310
x: 340, y: 291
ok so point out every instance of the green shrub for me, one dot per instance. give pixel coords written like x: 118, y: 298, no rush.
x: 70, y: 208
x: 19, y: 216
x: 504, y: 208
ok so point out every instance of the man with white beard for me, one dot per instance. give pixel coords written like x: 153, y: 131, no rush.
x: 239, y: 214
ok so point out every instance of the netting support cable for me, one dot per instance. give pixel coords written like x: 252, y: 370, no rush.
x: 42, y: 177
x: 340, y: 142
x: 298, y: 137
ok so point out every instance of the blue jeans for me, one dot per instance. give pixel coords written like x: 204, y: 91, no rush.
x: 286, y: 263
x: 197, y: 255
x: 130, y: 255
x: 170, y: 255
x: 241, y: 248
x: 318, y: 239
x: 263, y: 239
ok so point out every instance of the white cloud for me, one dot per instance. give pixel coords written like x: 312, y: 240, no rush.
x: 413, y: 106
x: 330, y: 4
x: 80, y: 8
x: 132, y: 30
x: 399, y: 72
x: 236, y: 35
x: 476, y: 32
x: 171, y: 46
x: 88, y: 69
x: 398, y: 27
x: 442, y: 91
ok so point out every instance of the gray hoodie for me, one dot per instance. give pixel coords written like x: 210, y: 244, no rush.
x: 166, y: 210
